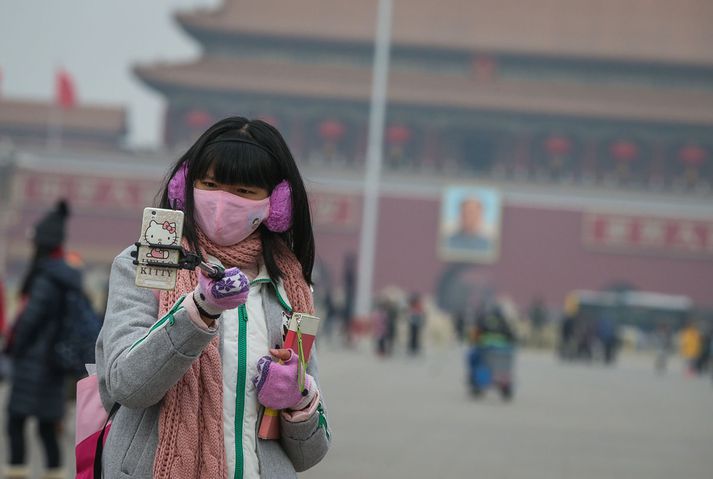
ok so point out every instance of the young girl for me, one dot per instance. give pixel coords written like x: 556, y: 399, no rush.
x: 194, y: 368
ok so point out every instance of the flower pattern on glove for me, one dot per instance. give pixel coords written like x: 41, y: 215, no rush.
x: 227, y: 287
x: 215, y: 296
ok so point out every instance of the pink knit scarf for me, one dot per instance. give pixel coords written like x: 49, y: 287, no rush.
x: 190, y: 433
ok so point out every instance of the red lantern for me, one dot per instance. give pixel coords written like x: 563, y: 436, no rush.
x: 692, y: 155
x: 398, y: 134
x: 556, y: 145
x: 198, y: 119
x: 623, y: 150
x: 331, y: 130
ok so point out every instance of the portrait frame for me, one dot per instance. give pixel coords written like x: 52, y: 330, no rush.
x: 465, y: 209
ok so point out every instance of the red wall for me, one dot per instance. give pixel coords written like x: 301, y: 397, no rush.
x: 541, y: 253
x: 541, y: 250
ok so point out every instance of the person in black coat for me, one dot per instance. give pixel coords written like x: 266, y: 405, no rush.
x: 38, y: 388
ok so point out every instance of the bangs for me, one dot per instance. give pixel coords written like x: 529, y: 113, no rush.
x: 238, y: 163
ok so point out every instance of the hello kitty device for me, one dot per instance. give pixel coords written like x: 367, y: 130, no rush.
x: 159, y: 244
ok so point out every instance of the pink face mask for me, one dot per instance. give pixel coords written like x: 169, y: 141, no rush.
x: 227, y: 219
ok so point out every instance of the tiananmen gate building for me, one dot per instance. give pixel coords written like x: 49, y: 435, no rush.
x: 593, y: 120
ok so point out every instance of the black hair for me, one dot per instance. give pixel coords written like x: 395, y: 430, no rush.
x: 264, y: 160
x: 48, y: 237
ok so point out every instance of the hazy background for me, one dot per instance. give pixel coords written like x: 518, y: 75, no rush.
x: 97, y: 42
x: 579, y: 282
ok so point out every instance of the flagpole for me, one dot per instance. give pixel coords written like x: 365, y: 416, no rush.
x: 374, y: 159
x: 54, y: 128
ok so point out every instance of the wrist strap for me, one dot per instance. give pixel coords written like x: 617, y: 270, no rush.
x: 203, y: 312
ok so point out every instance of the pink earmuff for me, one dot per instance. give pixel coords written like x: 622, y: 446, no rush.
x: 279, y: 219
x: 177, y: 188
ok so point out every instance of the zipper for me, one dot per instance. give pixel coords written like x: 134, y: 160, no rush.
x: 167, y: 317
x: 322, y: 422
x: 240, y: 390
x: 280, y: 299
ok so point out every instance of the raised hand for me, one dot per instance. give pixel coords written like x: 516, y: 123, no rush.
x: 215, y: 296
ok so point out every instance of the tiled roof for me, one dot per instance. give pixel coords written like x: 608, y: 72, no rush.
x: 26, y: 114
x: 649, y: 30
x: 350, y: 83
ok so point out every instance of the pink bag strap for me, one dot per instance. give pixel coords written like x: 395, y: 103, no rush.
x: 100, y: 443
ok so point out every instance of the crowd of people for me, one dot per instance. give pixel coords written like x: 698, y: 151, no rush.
x: 388, y: 313
x: 587, y: 337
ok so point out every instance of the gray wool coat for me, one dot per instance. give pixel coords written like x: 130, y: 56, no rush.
x: 38, y: 388
x: 138, y: 381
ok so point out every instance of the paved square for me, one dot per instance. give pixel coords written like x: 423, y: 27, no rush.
x: 404, y: 418
x: 411, y: 418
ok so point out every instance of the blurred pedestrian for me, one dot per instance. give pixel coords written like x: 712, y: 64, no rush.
x: 2, y: 308
x: 4, y: 361
x: 710, y: 346
x: 704, y: 355
x: 538, y: 317
x: 607, y: 336
x: 566, y: 343
x: 690, y: 346
x: 664, y: 346
x: 379, y: 322
x: 491, y: 355
x: 492, y: 327
x: 416, y: 320
x: 195, y: 368
x: 349, y: 297
x: 330, y: 311
x: 584, y: 334
x: 459, y: 324
x: 385, y: 319
x: 38, y: 389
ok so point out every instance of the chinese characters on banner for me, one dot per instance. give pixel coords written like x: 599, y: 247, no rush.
x: 329, y: 210
x: 335, y: 211
x: 648, y: 235
x: 84, y: 191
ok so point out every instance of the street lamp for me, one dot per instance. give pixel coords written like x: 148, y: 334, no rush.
x: 374, y: 159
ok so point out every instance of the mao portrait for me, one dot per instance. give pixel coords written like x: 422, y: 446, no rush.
x: 470, y: 224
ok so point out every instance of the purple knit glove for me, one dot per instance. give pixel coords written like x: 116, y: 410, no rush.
x: 278, y: 387
x: 214, y: 297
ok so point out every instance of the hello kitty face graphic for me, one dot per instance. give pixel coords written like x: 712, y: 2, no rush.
x: 161, y: 233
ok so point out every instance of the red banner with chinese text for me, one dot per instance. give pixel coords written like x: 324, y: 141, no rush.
x: 648, y: 234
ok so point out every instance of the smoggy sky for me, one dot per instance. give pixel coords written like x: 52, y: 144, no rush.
x: 97, y: 42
